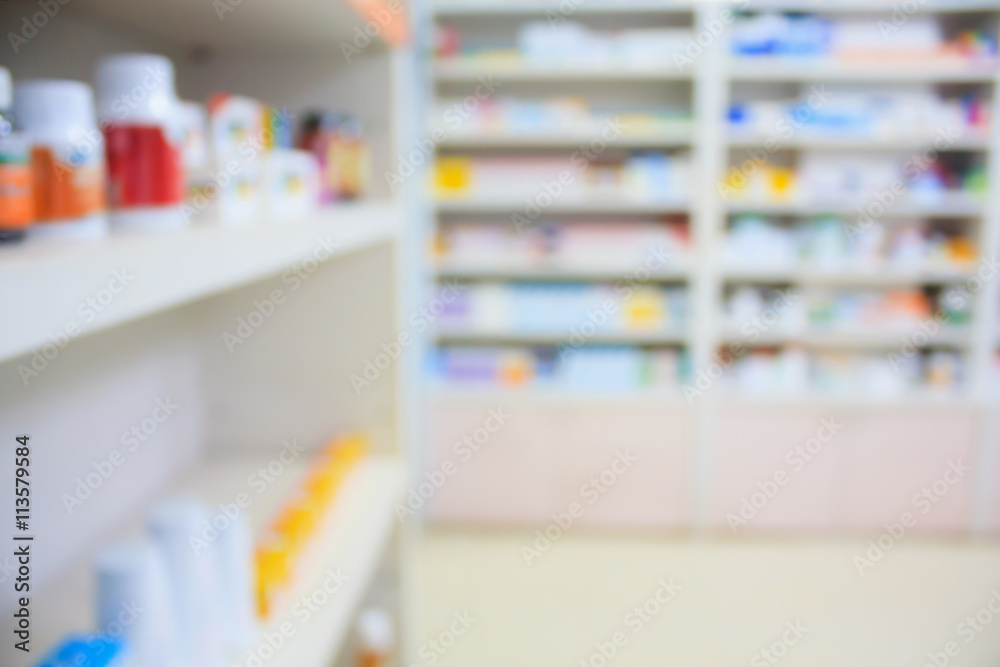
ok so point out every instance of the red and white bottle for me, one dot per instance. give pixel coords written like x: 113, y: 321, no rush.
x: 139, y: 114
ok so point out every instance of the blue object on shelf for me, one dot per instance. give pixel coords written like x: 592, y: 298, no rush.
x: 92, y: 651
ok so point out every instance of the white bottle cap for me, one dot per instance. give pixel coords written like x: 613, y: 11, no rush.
x: 6, y: 89
x: 51, y: 109
x: 136, y: 88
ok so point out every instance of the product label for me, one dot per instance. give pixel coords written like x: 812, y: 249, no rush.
x: 144, y: 167
x: 16, y: 203
x: 66, y: 187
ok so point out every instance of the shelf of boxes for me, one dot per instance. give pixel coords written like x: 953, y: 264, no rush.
x: 716, y: 78
x: 525, y: 71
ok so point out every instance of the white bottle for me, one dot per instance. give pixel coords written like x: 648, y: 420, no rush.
x: 134, y: 602
x: 179, y: 528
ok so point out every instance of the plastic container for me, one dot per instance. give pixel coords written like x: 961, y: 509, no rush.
x: 92, y: 651
x: 134, y: 602
x: 235, y: 555
x: 139, y: 113
x: 67, y: 158
x: 181, y: 530
x: 291, y: 185
x: 17, y: 208
x: 240, y: 149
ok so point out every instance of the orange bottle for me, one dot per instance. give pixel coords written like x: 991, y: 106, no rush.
x: 16, y: 203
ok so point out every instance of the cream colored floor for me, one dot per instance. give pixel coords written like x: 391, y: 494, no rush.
x: 735, y: 601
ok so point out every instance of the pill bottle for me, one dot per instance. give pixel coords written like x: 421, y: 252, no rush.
x: 139, y: 114
x: 67, y: 158
x: 16, y: 203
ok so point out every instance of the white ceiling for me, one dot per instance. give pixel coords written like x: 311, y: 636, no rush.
x: 249, y: 26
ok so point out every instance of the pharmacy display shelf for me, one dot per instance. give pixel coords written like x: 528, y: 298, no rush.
x: 873, y: 6
x: 93, y: 285
x: 449, y: 8
x: 507, y: 336
x: 515, y: 71
x: 680, y: 272
x: 715, y: 81
x: 353, y: 537
x: 815, y: 142
x: 821, y: 70
x: 885, y: 339
x: 843, y: 401
x: 610, y: 204
x: 554, y: 396
x: 676, y: 135
x: 846, y: 277
x: 301, y: 24
x: 948, y: 205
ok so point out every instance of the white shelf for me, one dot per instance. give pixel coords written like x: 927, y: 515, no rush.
x: 817, y: 70
x: 669, y: 337
x: 608, y: 204
x: 848, y: 143
x: 557, y: 272
x: 532, y: 395
x: 270, y: 25
x: 950, y: 205
x: 169, y: 269
x: 888, y: 338
x: 471, y: 71
x: 353, y: 537
x: 847, y: 277
x: 872, y: 6
x: 918, y: 400
x: 675, y: 136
